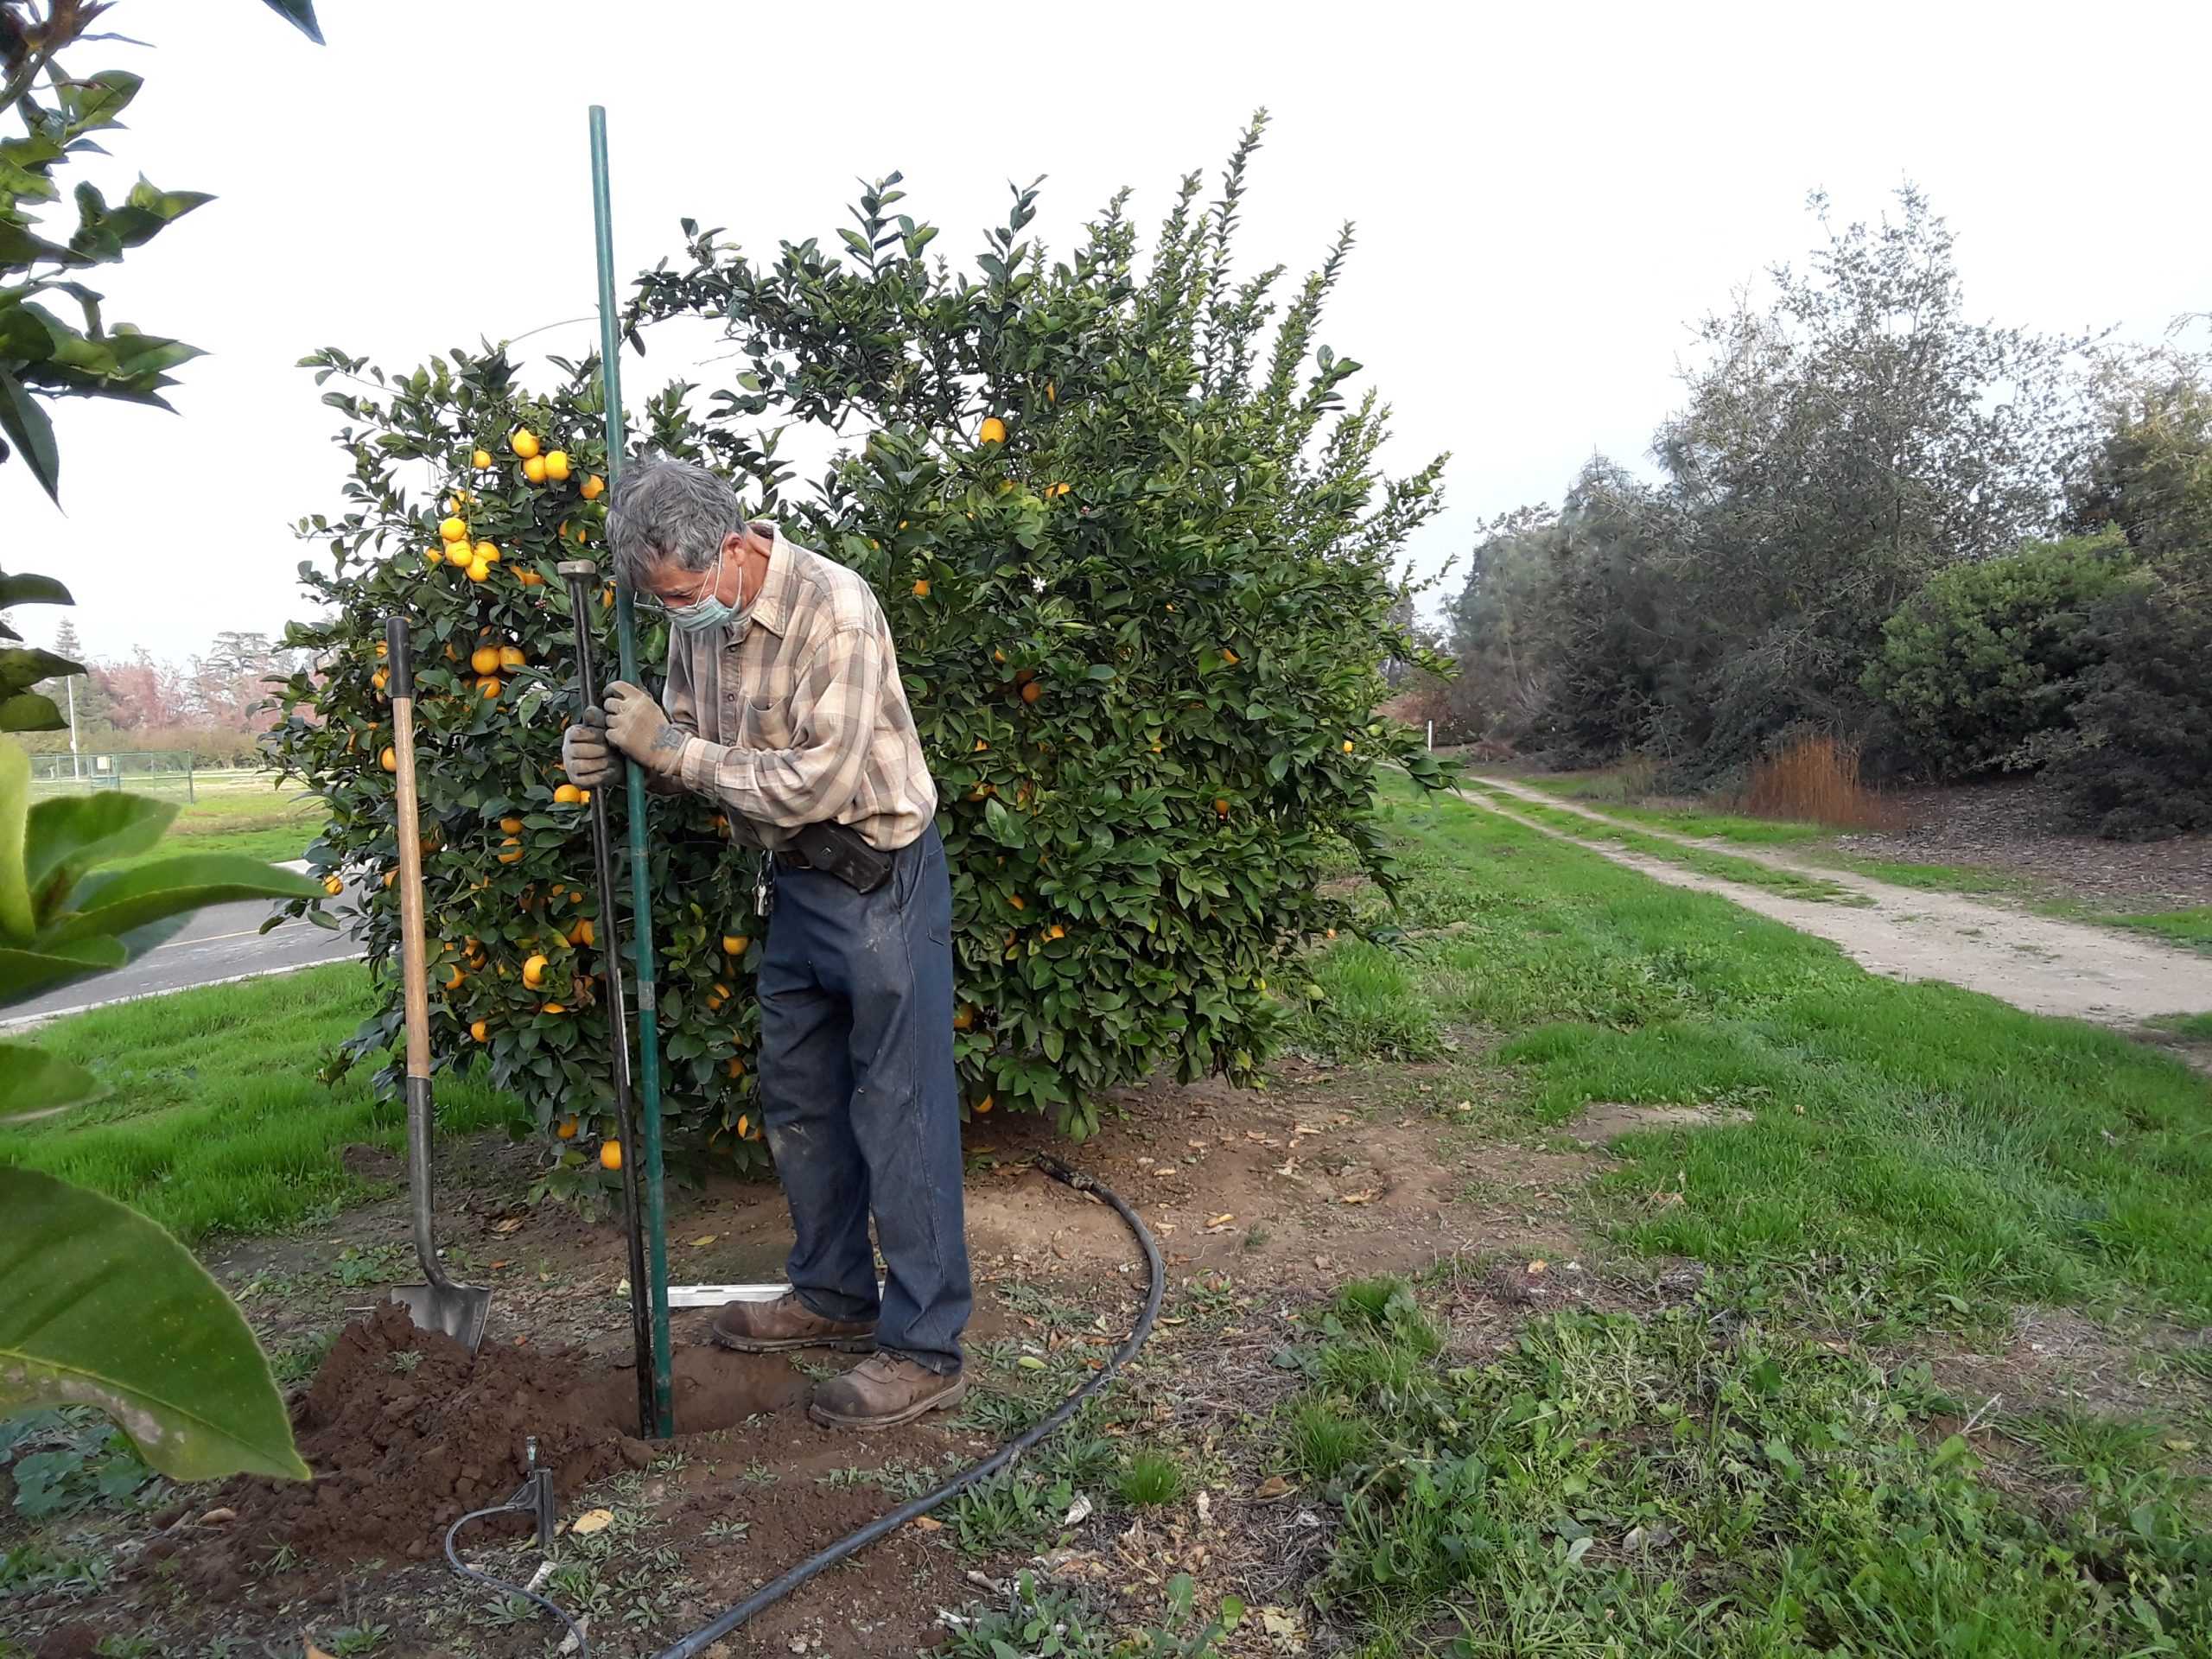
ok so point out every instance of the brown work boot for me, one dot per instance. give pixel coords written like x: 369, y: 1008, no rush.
x: 771, y: 1328
x: 883, y: 1389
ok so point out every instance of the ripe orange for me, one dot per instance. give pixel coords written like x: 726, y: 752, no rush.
x: 981, y: 745
x: 383, y: 651
x: 552, y: 1008
x: 512, y: 826
x: 512, y: 851
x: 566, y: 1129
x: 485, y: 659
x: 994, y: 430
x: 333, y: 884
x: 922, y: 589
x: 1347, y: 746
x: 511, y: 656
x: 530, y: 578
x: 568, y: 795
x: 1221, y: 804
x: 389, y: 759
x: 1056, y: 931
x: 524, y: 444
x: 533, y: 972
x: 485, y: 553
x: 595, y: 486
x: 583, y: 934
x: 963, y: 1017
x: 733, y: 943
x: 453, y: 976
x: 481, y: 460
x: 534, y: 469
x: 478, y: 1030
x: 984, y: 1104
x: 488, y: 686
x: 478, y: 570
x: 1017, y: 902
x: 1033, y: 690
x: 744, y: 1127
x: 734, y: 1069
x: 434, y: 554
x: 557, y: 466
x: 391, y: 876
x: 453, y: 531
x: 610, y: 1155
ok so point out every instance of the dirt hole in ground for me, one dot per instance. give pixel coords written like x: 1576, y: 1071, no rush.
x: 406, y: 1430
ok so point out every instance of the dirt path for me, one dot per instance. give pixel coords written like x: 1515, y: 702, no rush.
x: 2035, y: 963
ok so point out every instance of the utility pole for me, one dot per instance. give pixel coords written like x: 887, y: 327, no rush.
x: 76, y: 765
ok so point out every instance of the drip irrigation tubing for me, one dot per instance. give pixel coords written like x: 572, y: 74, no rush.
x: 706, y: 1635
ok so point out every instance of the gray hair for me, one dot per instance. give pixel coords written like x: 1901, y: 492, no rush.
x: 670, y: 510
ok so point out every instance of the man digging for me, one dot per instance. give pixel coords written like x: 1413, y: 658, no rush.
x: 786, y: 708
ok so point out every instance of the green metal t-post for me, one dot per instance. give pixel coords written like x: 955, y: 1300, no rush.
x: 641, y: 897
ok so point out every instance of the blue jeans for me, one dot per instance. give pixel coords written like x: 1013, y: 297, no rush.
x: 860, y: 1100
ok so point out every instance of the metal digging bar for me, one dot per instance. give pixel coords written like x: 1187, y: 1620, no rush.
x: 641, y: 895
x: 582, y: 578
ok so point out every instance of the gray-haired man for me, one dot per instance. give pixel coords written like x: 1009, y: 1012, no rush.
x: 785, y: 706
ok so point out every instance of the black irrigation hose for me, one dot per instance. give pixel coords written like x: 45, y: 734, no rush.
x: 454, y: 1561
x: 704, y: 1638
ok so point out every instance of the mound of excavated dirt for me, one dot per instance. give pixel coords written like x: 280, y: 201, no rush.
x: 402, y: 1445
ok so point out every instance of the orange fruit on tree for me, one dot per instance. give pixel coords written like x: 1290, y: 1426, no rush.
x: 566, y: 1129
x: 453, y: 531
x: 478, y: 1030
x: 524, y: 444
x: 1034, y: 690
x: 383, y: 651
x: 963, y: 1017
x: 534, y: 469
x: 485, y: 553
x: 485, y: 659
x: 734, y: 1069
x: 391, y: 876
x: 610, y: 1155
x: 1221, y: 804
x: 453, y: 976
x: 1056, y: 931
x: 512, y: 826
x: 478, y: 570
x: 488, y: 686
x: 434, y: 554
x: 583, y: 934
x: 333, y: 884
x: 922, y: 589
x: 481, y: 460
x: 553, y: 1007
x: 533, y: 972
x: 568, y: 795
x: 733, y: 944
x: 1347, y: 746
x: 594, y: 487
x: 984, y: 1104
x: 512, y: 851
x: 512, y: 656
x: 389, y: 759
x: 557, y: 466
x: 994, y: 430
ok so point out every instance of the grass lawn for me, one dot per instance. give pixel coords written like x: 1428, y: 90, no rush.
x: 1603, y: 792
x: 2191, y: 927
x: 1931, y: 1144
x: 247, y: 816
x: 216, y: 1122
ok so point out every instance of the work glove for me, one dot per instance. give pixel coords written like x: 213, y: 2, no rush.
x: 585, y: 754
x: 636, y: 725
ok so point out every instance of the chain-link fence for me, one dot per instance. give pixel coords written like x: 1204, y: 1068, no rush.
x: 151, y: 772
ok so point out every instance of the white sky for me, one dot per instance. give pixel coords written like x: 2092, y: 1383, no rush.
x: 1545, y: 200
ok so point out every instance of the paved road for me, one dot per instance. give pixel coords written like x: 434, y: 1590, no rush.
x: 219, y: 943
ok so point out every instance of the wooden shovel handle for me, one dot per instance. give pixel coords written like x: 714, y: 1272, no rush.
x: 415, y: 976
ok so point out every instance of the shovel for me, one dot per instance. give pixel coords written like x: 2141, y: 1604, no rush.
x: 440, y: 1305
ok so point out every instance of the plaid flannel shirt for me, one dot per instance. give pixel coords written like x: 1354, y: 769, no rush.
x: 799, y: 715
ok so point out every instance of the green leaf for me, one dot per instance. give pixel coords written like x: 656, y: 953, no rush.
x: 128, y: 900
x: 26, y: 425
x: 71, y: 833
x: 34, y: 1082
x: 96, y: 101
x: 301, y: 14
x: 27, y: 711
x: 16, y: 922
x: 32, y: 590
x: 23, y: 973
x: 106, y: 1309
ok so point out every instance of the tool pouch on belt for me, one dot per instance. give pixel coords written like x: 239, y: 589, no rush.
x: 837, y: 850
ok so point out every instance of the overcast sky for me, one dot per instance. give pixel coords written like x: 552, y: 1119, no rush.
x: 1546, y: 200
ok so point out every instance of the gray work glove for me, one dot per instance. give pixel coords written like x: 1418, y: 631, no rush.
x: 588, y: 757
x: 637, y: 725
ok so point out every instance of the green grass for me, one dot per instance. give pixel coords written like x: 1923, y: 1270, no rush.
x: 1929, y: 878
x: 2191, y: 927
x: 1601, y: 792
x: 1721, y: 866
x: 259, y: 822
x: 1152, y: 1479
x: 1940, y: 1151
x: 216, y: 1122
x: 1684, y: 1484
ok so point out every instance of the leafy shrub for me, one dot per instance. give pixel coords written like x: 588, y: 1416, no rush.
x: 1986, y: 657
x: 1138, y: 566
x: 2139, y: 764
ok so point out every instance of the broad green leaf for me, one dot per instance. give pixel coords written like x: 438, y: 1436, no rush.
x: 131, y: 899
x: 26, y: 424
x: 25, y: 973
x: 75, y: 832
x: 16, y: 922
x: 27, y: 711
x: 32, y: 590
x: 106, y: 1309
x: 34, y: 1082
x: 97, y: 99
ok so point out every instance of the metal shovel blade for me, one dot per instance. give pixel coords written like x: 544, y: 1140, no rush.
x: 458, y: 1310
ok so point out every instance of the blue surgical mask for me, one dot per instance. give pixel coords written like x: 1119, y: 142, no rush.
x: 703, y: 614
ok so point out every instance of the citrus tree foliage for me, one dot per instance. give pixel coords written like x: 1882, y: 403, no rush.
x: 1135, y: 549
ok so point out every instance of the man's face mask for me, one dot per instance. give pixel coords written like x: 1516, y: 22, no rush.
x: 707, y: 610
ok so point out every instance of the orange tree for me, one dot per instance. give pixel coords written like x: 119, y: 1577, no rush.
x: 1137, y: 554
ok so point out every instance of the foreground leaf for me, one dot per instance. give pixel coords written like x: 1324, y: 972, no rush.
x: 103, y: 1308
x: 129, y: 899
x: 34, y: 1082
